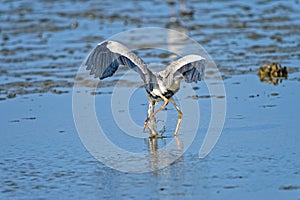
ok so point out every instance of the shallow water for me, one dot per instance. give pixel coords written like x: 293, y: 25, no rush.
x: 44, y: 42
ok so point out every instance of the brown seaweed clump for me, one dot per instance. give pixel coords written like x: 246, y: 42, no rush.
x: 273, y: 73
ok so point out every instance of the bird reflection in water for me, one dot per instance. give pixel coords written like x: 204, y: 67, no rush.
x: 163, y: 152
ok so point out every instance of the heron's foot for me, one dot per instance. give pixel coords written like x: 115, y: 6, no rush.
x: 156, y: 137
x: 176, y: 130
x: 175, y: 133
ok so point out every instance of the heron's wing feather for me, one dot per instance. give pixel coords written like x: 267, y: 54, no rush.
x: 104, y: 60
x: 190, y: 68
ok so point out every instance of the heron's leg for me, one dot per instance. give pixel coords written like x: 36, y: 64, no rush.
x: 152, y: 122
x: 166, y: 101
x: 179, y: 115
x: 151, y: 107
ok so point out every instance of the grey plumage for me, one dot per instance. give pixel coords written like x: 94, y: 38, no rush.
x: 104, y: 60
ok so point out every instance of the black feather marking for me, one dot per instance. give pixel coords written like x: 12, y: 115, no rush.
x: 191, y: 72
x: 168, y: 94
x: 130, y: 64
x: 110, y: 70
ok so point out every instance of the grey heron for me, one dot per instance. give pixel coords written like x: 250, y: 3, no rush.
x: 104, y: 60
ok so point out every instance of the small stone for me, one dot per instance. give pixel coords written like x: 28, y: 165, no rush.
x: 74, y: 24
x: 11, y: 95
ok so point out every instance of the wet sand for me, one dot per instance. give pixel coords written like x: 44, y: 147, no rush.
x: 42, y: 46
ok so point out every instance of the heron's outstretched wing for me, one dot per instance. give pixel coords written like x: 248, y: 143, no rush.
x: 104, y: 60
x: 190, y: 68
